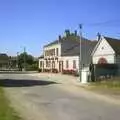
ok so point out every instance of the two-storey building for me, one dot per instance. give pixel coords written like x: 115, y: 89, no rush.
x: 63, y: 54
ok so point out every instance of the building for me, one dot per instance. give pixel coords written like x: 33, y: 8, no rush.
x: 106, y: 56
x: 4, y: 61
x: 63, y: 54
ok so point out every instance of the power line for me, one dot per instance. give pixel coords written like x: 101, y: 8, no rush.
x: 108, y: 23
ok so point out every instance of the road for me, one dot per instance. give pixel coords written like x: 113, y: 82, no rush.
x: 40, y: 99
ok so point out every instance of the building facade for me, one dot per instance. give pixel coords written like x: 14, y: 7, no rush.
x: 106, y: 57
x: 63, y: 54
x: 106, y: 51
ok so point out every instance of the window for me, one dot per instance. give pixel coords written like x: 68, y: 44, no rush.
x: 57, y: 52
x: 102, y: 48
x: 74, y: 64
x: 45, y: 53
x: 53, y: 64
x: 54, y: 52
x: 67, y: 64
x: 40, y: 63
x: 46, y: 63
x: 49, y: 63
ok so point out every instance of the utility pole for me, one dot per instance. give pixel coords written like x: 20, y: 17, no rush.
x: 17, y: 60
x: 24, y: 58
x: 80, y: 56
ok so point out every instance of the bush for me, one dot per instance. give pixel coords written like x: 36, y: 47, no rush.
x: 39, y: 70
x: 51, y: 70
x: 32, y: 67
x: 55, y: 70
x: 46, y: 70
x: 70, y: 72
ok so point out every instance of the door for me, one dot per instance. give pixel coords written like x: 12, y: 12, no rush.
x: 60, y: 66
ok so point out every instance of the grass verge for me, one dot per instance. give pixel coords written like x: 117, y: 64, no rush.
x: 109, y: 86
x: 6, y: 112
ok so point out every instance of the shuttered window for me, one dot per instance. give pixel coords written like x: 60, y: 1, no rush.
x: 67, y: 64
x: 74, y: 64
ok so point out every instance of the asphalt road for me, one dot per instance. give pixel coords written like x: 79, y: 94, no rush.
x: 37, y: 99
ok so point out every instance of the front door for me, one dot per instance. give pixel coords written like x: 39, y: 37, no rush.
x: 60, y: 66
x: 53, y: 64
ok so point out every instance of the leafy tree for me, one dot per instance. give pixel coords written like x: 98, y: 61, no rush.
x: 25, y: 59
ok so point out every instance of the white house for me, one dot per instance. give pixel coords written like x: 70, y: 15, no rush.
x: 106, y: 51
x: 63, y: 54
x: 106, y: 55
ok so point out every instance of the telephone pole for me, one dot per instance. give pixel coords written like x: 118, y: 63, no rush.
x: 80, y: 56
x: 17, y: 62
x: 24, y: 58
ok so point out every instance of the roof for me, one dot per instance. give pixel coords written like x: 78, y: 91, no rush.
x: 75, y: 50
x: 115, y: 44
x: 75, y: 38
x: 52, y: 43
x: 3, y: 58
x: 86, y: 49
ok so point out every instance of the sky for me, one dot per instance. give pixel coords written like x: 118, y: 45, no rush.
x: 34, y: 23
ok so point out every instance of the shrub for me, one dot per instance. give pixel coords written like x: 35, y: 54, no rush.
x: 70, y: 72
x: 32, y: 67
x: 39, y: 70
x: 46, y: 70
x: 54, y: 70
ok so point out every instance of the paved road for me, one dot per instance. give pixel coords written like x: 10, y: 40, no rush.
x: 38, y: 99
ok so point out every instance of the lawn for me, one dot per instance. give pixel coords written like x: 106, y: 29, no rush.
x: 6, y: 112
x: 113, y: 83
x: 110, y: 86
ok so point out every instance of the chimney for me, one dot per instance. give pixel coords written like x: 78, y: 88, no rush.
x: 60, y: 37
x: 98, y: 36
x: 67, y: 32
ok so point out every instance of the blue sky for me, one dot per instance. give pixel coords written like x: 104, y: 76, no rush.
x: 34, y: 23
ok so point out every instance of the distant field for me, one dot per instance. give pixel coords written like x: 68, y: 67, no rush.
x: 6, y: 112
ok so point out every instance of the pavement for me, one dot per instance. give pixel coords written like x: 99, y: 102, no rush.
x: 55, y: 97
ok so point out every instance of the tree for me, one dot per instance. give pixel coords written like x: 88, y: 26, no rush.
x: 25, y: 59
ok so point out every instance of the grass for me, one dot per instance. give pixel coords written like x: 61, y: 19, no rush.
x: 108, y: 86
x: 6, y: 111
x: 113, y: 83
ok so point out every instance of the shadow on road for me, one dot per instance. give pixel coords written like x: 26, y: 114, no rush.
x: 23, y: 83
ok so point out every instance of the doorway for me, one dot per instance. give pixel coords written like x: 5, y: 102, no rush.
x: 60, y: 66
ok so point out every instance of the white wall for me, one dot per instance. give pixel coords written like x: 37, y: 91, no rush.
x: 41, y: 59
x: 54, y: 46
x: 110, y: 59
x: 104, y: 50
x: 70, y: 59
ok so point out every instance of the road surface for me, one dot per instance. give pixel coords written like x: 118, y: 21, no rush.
x: 40, y: 99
